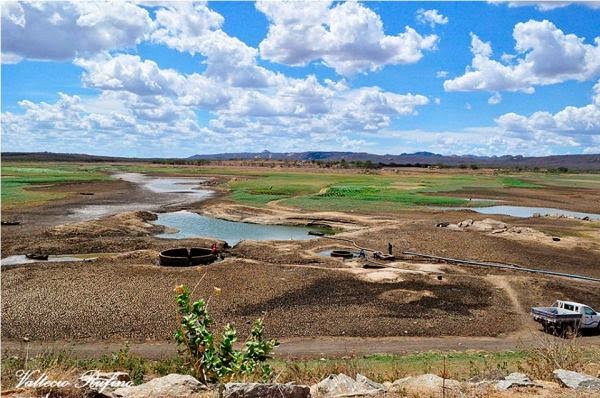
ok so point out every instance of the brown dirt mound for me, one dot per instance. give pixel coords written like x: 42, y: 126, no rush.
x: 282, y: 253
x: 405, y: 296
x: 130, y: 223
x: 137, y: 257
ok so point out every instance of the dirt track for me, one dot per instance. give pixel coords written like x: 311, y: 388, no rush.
x: 308, y: 347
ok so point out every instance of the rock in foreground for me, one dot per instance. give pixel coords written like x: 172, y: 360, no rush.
x: 424, y: 384
x: 343, y: 385
x: 576, y: 380
x: 516, y: 380
x: 170, y: 386
x: 258, y: 390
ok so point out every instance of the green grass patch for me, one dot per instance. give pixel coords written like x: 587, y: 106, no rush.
x: 513, y: 182
x: 590, y: 181
x: 17, y: 182
x: 407, y: 198
x: 341, y: 192
x: 255, y: 199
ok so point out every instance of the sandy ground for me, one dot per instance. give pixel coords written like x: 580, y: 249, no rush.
x: 105, y: 299
x: 300, y: 294
x: 306, y: 347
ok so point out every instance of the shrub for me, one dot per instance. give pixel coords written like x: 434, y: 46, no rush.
x: 554, y: 354
x: 211, y: 361
x: 122, y: 360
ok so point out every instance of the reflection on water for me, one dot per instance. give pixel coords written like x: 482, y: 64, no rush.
x: 191, y: 225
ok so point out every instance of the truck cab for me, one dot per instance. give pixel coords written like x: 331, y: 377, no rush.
x: 590, y: 318
x: 566, y: 318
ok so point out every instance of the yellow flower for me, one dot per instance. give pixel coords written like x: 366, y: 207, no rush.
x: 179, y: 289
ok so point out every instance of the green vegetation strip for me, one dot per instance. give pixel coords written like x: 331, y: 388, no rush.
x: 18, y: 180
x: 459, y: 365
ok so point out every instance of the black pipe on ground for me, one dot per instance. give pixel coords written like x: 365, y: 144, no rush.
x: 503, y: 266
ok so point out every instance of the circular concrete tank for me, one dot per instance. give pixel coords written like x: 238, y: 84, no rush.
x: 175, y: 257
x: 182, y: 257
x: 201, y: 255
x: 342, y: 253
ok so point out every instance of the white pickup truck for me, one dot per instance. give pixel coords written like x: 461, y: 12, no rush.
x: 566, y: 318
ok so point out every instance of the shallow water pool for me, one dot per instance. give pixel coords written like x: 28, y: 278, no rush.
x: 193, y: 225
x: 171, y: 191
x: 22, y: 259
x: 524, y: 211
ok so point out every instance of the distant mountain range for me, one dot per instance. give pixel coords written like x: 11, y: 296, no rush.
x: 577, y: 162
x: 580, y: 162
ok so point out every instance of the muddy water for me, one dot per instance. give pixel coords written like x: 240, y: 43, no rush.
x: 163, y: 192
x: 524, y: 212
x: 190, y: 225
x: 186, y: 188
x: 22, y: 259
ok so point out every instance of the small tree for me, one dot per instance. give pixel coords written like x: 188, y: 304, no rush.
x: 218, y: 362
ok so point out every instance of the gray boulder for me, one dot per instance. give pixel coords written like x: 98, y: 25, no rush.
x: 423, y: 384
x: 465, y: 223
x: 102, y: 384
x: 342, y: 386
x: 516, y: 380
x: 258, y: 390
x: 576, y: 380
x: 366, y: 381
x: 170, y: 386
x: 488, y: 225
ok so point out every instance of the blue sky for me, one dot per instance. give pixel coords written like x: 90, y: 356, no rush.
x: 167, y: 79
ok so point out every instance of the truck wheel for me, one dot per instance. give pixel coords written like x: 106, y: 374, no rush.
x: 556, y: 331
x: 569, y: 332
x: 548, y: 329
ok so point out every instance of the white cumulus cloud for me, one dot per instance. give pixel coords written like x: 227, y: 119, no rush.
x: 347, y: 37
x: 196, y: 29
x: 431, y: 17
x: 60, y: 30
x: 495, y: 99
x: 545, y: 55
x: 546, y: 5
x: 569, y: 121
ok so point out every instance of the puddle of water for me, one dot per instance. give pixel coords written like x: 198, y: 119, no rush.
x: 22, y: 259
x: 92, y: 212
x: 180, y: 185
x: 173, y: 190
x: 193, y: 225
x: 524, y: 212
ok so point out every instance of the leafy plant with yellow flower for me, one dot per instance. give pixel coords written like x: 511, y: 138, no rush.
x: 212, y: 361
